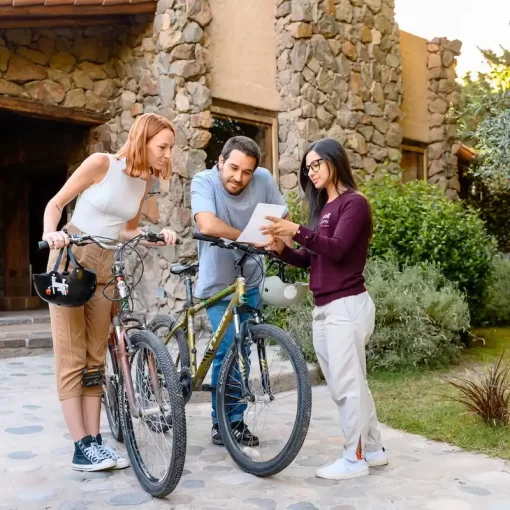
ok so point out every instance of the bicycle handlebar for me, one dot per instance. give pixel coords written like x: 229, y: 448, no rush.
x: 78, y: 239
x: 230, y: 245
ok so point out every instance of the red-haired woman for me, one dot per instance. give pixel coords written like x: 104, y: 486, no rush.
x: 111, y: 190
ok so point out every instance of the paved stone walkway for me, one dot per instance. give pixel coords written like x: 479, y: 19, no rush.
x: 36, y: 453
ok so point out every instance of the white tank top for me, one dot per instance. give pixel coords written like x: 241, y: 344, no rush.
x: 103, y: 209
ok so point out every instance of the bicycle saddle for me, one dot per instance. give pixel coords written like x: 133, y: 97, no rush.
x: 183, y: 269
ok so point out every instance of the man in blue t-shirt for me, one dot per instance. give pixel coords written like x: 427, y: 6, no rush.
x: 222, y: 201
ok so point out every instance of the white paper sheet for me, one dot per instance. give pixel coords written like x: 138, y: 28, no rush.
x: 252, y: 234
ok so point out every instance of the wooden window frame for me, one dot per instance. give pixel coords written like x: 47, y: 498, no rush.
x: 258, y: 117
x: 421, y: 150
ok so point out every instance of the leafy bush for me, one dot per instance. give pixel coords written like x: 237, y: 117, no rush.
x: 493, y: 206
x: 419, y: 315
x: 497, y: 307
x: 415, y: 222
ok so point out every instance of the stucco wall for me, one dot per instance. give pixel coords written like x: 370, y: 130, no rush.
x: 413, y: 50
x: 243, y: 52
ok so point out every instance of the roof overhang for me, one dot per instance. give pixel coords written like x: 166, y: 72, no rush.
x: 44, y: 13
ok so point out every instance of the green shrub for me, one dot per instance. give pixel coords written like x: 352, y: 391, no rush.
x: 419, y: 315
x: 415, y: 222
x: 497, y: 307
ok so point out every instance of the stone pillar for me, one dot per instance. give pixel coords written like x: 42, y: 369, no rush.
x: 339, y: 75
x: 164, y: 66
x: 444, y: 92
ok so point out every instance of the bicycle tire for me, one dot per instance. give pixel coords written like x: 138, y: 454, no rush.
x: 112, y: 408
x: 168, y: 321
x: 158, y: 489
x: 304, y: 411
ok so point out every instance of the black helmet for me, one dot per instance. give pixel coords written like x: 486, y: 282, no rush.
x: 66, y: 289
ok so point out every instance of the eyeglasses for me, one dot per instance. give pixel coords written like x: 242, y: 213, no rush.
x: 314, y: 166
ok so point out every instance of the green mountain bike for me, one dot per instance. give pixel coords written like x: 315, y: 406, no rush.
x: 263, y: 378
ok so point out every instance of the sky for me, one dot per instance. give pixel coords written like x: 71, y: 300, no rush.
x: 477, y: 23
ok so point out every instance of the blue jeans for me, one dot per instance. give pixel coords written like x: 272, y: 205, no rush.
x: 215, y: 313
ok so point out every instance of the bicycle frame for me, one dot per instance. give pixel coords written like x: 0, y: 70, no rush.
x: 239, y: 298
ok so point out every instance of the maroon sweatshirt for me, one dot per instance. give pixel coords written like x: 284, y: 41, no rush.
x: 337, y: 251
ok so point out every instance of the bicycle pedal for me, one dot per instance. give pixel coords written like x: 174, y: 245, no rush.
x: 207, y: 387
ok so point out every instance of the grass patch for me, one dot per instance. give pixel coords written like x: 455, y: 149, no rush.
x: 496, y: 340
x: 418, y: 402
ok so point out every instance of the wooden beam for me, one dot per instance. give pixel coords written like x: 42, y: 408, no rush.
x: 74, y: 11
x: 54, y: 112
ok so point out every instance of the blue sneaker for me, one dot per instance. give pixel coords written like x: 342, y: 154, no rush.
x: 88, y: 457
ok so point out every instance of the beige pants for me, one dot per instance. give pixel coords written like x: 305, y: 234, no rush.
x: 80, y: 335
x: 341, y: 330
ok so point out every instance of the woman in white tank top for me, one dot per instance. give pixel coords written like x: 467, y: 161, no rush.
x: 110, y: 190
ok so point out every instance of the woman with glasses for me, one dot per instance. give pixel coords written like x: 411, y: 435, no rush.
x: 334, y: 246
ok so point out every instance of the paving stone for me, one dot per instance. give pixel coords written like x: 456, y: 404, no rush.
x: 194, y: 450
x: 218, y: 469
x: 73, y: 505
x: 263, y: 504
x: 36, y: 495
x: 321, y: 482
x: 29, y: 429
x: 193, y: 484
x: 130, y: 499
x: 476, y: 491
x: 21, y: 455
x: 215, y: 457
x: 302, y: 505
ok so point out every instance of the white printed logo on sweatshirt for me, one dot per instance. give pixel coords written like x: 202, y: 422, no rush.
x: 325, y: 220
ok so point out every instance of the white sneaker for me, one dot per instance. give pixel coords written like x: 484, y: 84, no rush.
x: 110, y: 453
x: 377, y: 458
x: 343, y: 469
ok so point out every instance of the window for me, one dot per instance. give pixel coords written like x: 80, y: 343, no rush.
x: 413, y: 162
x: 233, y: 120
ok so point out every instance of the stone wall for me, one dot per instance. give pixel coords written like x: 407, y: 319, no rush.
x: 167, y: 64
x: 339, y: 75
x: 67, y: 67
x: 444, y: 92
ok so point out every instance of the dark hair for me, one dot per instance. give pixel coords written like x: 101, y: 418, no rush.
x: 338, y: 162
x: 244, y: 144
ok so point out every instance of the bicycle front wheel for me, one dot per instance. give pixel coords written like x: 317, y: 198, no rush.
x: 156, y: 439
x: 258, y: 433
x: 111, y: 392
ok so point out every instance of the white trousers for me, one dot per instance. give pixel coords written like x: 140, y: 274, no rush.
x: 341, y: 329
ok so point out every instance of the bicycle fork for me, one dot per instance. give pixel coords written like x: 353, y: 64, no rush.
x: 243, y: 333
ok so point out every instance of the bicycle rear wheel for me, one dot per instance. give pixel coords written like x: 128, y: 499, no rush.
x: 280, y: 383
x: 157, y: 452
x: 161, y: 325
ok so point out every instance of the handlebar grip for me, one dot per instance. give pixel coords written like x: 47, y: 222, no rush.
x: 201, y: 237
x: 43, y: 245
